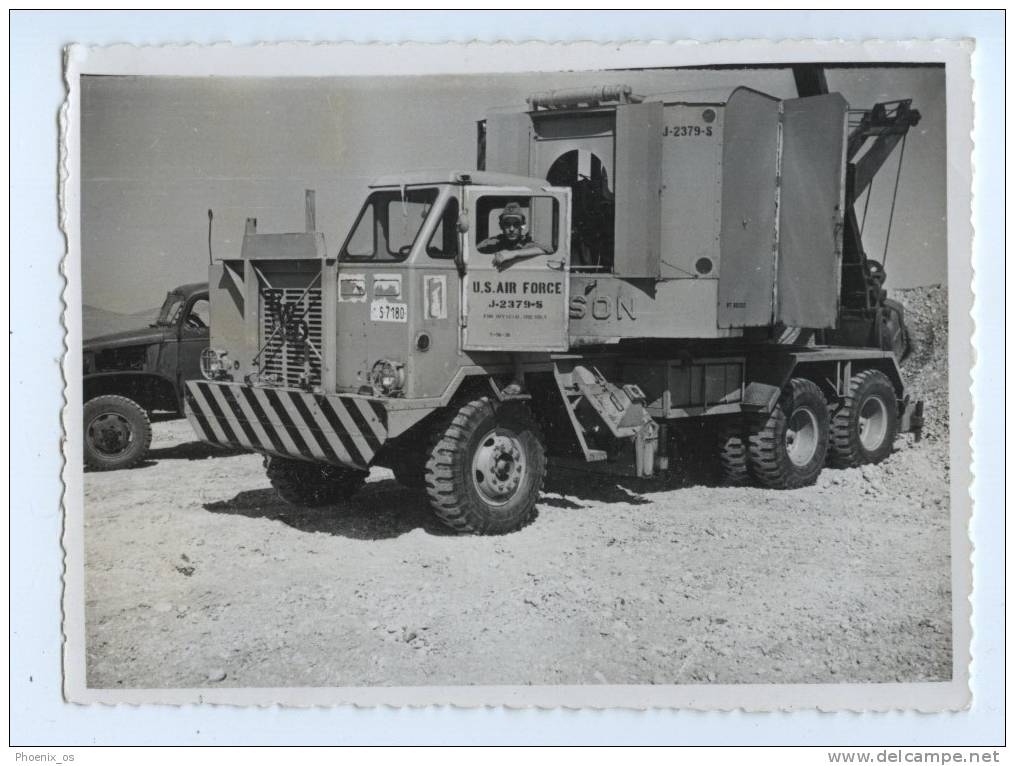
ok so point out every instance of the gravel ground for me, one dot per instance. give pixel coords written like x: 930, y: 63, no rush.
x: 197, y: 575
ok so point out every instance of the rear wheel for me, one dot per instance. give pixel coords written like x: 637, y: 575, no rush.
x: 484, y: 473
x: 312, y: 484
x: 117, y: 433
x: 733, y: 453
x: 865, y: 424
x: 788, y: 448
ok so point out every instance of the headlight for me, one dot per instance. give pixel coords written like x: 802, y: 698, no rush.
x: 215, y: 364
x: 388, y: 377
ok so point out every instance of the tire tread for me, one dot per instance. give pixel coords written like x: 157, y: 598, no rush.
x: 733, y: 454
x: 767, y: 462
x: 453, y: 504
x: 844, y: 448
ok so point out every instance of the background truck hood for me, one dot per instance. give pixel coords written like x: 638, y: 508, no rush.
x: 140, y: 336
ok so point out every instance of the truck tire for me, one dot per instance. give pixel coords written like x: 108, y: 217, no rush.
x: 117, y: 433
x: 410, y: 469
x: 486, y: 469
x: 733, y: 454
x: 787, y: 449
x: 864, y: 426
x: 312, y: 485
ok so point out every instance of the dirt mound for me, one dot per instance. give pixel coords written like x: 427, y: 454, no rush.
x: 926, y: 368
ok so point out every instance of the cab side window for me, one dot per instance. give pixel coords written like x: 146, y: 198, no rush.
x: 510, y: 221
x: 443, y: 243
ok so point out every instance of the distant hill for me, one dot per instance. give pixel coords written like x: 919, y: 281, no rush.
x: 96, y: 321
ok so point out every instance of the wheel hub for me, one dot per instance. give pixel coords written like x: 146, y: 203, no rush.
x: 873, y: 423
x: 498, y: 467
x: 802, y: 436
x: 109, y: 433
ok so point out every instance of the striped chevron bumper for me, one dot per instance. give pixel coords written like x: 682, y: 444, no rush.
x: 341, y: 430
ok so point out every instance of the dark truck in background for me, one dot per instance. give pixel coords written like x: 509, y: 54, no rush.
x: 130, y: 374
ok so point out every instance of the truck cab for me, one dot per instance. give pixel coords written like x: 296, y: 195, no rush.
x: 419, y: 292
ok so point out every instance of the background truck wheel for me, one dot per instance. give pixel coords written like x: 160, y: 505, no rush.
x: 117, y: 433
x: 484, y: 473
x: 787, y: 449
x: 312, y: 484
x: 733, y: 454
x: 864, y: 426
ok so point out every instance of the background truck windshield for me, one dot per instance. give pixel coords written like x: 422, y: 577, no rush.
x: 388, y: 225
x: 171, y: 308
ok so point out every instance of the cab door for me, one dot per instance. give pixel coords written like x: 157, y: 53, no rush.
x: 515, y: 293
x: 193, y: 333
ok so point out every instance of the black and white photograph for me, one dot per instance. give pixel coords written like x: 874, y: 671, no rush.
x: 618, y: 385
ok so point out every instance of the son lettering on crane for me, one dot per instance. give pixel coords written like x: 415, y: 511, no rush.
x: 601, y: 307
x: 518, y: 288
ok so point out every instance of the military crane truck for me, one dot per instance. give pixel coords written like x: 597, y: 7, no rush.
x: 664, y: 263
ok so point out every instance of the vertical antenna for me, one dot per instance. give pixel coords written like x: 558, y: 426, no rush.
x: 311, y: 205
x: 210, y: 216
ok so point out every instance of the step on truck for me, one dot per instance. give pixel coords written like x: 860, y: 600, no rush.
x: 620, y: 271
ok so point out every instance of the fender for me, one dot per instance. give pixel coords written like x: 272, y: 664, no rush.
x: 150, y: 388
x: 830, y: 367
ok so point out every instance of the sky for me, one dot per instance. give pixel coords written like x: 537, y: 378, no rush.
x: 158, y: 152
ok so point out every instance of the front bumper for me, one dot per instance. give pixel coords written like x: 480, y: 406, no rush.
x: 339, y: 430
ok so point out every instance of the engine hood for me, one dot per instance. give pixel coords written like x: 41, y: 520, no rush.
x: 138, y: 337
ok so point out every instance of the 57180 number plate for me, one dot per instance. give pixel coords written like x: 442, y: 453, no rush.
x: 385, y: 311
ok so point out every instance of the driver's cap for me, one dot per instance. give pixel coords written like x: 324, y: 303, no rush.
x: 512, y: 212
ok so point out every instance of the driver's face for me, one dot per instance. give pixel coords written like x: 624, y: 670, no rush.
x: 512, y: 229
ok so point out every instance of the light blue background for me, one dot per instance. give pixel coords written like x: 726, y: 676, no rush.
x: 40, y: 717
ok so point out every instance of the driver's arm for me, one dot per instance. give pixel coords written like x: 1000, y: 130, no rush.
x: 505, y: 258
x: 490, y: 245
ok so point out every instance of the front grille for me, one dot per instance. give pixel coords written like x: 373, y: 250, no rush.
x: 290, y: 328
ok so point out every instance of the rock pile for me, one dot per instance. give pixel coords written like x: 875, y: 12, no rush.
x: 926, y: 368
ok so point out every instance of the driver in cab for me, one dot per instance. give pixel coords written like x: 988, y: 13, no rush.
x: 513, y: 243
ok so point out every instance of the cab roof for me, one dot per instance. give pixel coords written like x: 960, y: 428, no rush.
x: 191, y: 289
x: 455, y: 176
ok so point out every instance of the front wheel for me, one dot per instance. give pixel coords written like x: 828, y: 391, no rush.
x: 485, y: 471
x: 788, y: 448
x: 117, y: 433
x: 312, y: 485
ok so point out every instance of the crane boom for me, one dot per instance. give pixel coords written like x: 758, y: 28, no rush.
x: 882, y: 127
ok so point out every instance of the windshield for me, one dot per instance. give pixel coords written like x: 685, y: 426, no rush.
x: 170, y: 311
x: 388, y: 225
